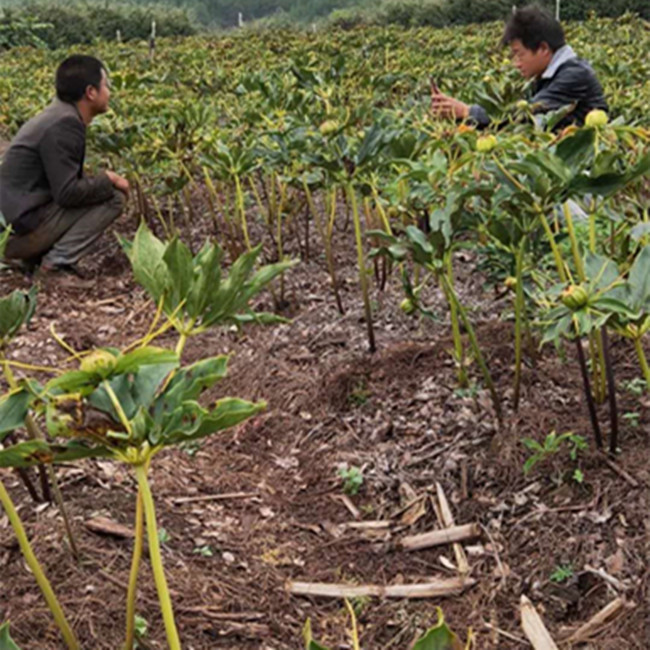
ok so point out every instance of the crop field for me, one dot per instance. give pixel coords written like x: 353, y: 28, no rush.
x: 341, y: 367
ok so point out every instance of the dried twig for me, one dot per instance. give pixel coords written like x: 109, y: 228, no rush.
x: 595, y: 623
x: 507, y: 635
x: 619, y: 470
x: 437, y: 537
x: 534, y: 627
x: 447, y: 520
x: 442, y: 587
x: 214, y: 497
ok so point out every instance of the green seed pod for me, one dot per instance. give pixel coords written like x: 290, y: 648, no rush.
x: 407, y: 306
x: 596, y: 119
x: 575, y: 297
x: 486, y: 143
x: 100, y: 362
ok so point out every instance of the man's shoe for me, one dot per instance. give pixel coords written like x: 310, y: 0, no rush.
x: 65, y: 275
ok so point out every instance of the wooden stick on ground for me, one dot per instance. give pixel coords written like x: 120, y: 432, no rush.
x: 443, y: 587
x: 215, y: 497
x: 594, y: 624
x: 534, y: 627
x: 438, y: 537
x: 447, y: 520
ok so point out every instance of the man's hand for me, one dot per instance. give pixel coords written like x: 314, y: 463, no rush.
x: 119, y: 182
x: 445, y: 106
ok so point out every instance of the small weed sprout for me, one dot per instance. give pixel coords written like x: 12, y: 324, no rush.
x: 552, y: 445
x: 352, y: 478
x: 562, y: 573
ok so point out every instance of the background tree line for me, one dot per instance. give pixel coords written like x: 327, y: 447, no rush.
x: 56, y: 23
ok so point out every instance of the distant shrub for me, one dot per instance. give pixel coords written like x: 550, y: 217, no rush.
x: 56, y: 25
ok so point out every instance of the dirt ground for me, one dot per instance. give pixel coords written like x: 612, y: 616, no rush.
x: 397, y: 415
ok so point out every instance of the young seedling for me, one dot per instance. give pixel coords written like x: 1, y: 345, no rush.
x: 352, y: 478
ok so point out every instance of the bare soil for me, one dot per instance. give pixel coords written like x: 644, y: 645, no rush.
x: 397, y: 415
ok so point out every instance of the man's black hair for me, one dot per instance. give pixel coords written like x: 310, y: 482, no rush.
x: 533, y: 26
x: 75, y: 74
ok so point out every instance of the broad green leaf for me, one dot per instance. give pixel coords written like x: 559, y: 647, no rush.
x: 206, y: 279
x: 73, y: 382
x: 34, y: 452
x: 148, y: 380
x: 191, y: 381
x: 439, y: 637
x: 639, y: 280
x: 146, y: 254
x: 576, y: 147
x: 14, y: 407
x: 178, y: 259
x: 6, y: 642
x: 16, y: 310
x: 228, y: 413
x: 601, y: 272
x: 147, y: 356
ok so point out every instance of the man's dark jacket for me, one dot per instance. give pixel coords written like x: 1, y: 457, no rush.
x: 44, y: 164
x: 567, y: 80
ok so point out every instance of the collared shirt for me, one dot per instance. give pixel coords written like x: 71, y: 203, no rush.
x: 561, y: 56
x: 568, y: 81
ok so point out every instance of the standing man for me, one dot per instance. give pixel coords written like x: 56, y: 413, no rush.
x: 539, y: 51
x: 56, y: 212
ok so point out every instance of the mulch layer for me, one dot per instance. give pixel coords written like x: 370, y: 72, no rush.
x: 398, y: 415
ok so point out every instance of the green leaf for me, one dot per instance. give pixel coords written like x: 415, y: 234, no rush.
x: 639, y: 280
x: 577, y: 147
x: 206, y: 279
x: 34, y: 452
x: 147, y: 356
x: 178, y: 259
x: 146, y: 254
x: 6, y: 642
x: 601, y: 272
x: 189, y: 382
x: 16, y: 310
x: 4, y: 236
x: 439, y: 637
x: 14, y: 407
x: 229, y: 412
x: 74, y: 381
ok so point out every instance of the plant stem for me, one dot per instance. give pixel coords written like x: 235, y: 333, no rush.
x: 590, y: 398
x: 611, y: 391
x: 643, y: 361
x: 35, y: 433
x: 156, y: 559
x: 327, y: 243
x: 559, y: 263
x: 363, y: 278
x: 37, y: 571
x: 471, y: 334
x: 519, y: 316
x: 138, y: 543
x: 459, y: 352
x: 577, y: 258
x: 242, y: 211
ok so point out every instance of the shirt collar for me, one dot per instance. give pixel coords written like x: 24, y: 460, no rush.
x: 561, y: 56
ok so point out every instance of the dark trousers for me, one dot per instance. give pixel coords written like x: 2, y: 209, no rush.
x: 64, y: 235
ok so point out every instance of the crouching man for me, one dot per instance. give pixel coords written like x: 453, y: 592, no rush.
x: 56, y: 212
x: 541, y: 54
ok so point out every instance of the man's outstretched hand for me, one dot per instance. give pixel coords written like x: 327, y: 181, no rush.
x: 444, y: 106
x: 119, y: 182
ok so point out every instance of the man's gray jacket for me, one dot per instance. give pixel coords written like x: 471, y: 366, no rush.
x: 44, y: 164
x: 567, y: 80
